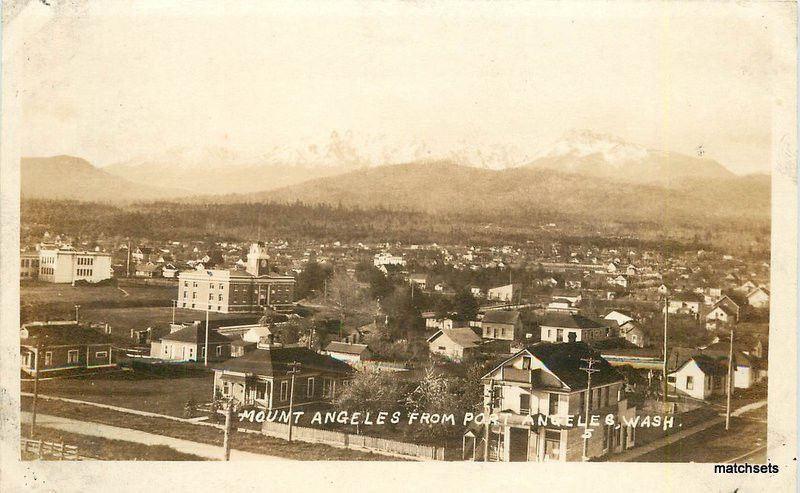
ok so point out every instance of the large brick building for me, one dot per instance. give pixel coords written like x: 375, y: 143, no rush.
x: 236, y: 290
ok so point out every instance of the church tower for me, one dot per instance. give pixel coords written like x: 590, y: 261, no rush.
x: 258, y: 260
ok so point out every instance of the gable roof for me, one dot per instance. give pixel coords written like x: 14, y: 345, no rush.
x: 463, y: 336
x: 570, y: 321
x: 276, y: 362
x: 62, y: 335
x: 707, y: 364
x: 195, y: 334
x: 564, y: 360
x: 501, y: 317
x: 346, y: 348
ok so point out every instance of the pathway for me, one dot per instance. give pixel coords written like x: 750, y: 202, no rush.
x: 116, y: 433
x: 636, y: 452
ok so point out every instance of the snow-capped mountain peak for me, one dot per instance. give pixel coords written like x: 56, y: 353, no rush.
x: 583, y: 143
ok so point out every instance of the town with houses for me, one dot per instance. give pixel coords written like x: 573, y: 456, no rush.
x: 200, y: 340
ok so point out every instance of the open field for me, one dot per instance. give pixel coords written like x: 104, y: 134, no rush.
x: 247, y: 442
x: 138, y: 390
x: 57, y: 301
x: 106, y: 449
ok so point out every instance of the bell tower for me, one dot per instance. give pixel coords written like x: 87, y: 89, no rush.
x: 258, y: 260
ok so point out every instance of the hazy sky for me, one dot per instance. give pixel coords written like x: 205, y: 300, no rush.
x: 109, y: 81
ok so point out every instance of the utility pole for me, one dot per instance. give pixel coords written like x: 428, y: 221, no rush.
x: 226, y: 442
x: 730, y: 385
x: 35, y: 385
x: 128, y: 261
x: 490, y: 399
x: 174, y: 305
x: 295, y: 370
x: 590, y: 361
x: 205, y: 349
x: 666, y: 354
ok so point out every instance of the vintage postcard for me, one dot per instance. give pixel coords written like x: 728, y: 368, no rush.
x: 391, y: 246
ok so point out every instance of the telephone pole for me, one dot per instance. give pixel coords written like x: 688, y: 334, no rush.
x: 226, y: 442
x: 730, y: 385
x: 35, y: 385
x: 590, y: 361
x: 295, y: 370
x: 666, y: 354
x: 205, y: 349
x: 489, y: 401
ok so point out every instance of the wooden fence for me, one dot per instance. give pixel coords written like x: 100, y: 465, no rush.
x: 347, y: 440
x: 43, y: 449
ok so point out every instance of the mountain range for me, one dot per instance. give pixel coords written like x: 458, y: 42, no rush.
x: 585, y: 173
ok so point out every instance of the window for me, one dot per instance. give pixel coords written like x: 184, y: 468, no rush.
x: 219, y: 350
x: 185, y: 294
x: 194, y: 295
x: 559, y: 334
x: 526, y: 363
x: 552, y: 406
x: 607, y: 435
x: 101, y: 354
x: 284, y: 390
x: 327, y: 387
x: 185, y: 284
x: 442, y: 348
x: 226, y: 388
x: 221, y: 287
x: 310, y: 387
x: 211, y: 286
x: 524, y: 403
x: 194, y: 284
x: 166, y: 350
x: 261, y: 390
x: 210, y: 296
x: 689, y: 383
x: 670, y: 379
x: 48, y: 358
x: 72, y: 356
x: 219, y: 298
x: 552, y: 445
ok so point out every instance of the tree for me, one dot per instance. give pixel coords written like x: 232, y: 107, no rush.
x: 311, y: 280
x: 404, y: 316
x: 465, y: 305
x: 371, y: 391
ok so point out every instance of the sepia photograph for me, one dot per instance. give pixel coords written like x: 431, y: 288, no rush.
x: 347, y: 243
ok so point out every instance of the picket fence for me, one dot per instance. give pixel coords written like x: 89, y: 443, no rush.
x: 43, y: 449
x: 347, y: 440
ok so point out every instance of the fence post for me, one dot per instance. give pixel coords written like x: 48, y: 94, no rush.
x: 39, y: 449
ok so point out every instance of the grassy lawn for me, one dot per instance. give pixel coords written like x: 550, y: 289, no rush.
x: 714, y: 444
x: 199, y: 433
x: 56, y: 301
x: 107, y: 449
x: 139, y: 390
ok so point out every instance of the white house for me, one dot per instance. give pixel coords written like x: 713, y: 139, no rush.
x: 700, y: 377
x: 454, y: 343
x: 349, y: 353
x: 758, y: 298
x: 619, y: 317
x: 503, y: 293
